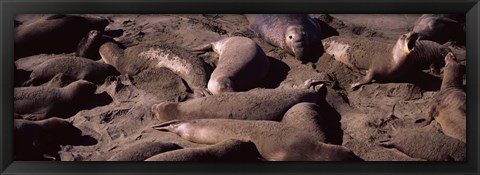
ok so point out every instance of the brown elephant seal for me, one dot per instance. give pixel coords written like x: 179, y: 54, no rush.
x: 298, y: 34
x: 73, y: 68
x: 135, y: 59
x: 228, y: 150
x: 427, y: 143
x: 440, y: 28
x: 39, y: 140
x: 242, y: 64
x: 408, y: 55
x: 258, y: 104
x: 54, y: 34
x: 306, y: 116
x: 44, y: 102
x: 143, y: 150
x: 449, y: 105
x: 275, y: 141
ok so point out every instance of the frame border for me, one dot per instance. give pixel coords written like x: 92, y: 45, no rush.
x: 9, y: 8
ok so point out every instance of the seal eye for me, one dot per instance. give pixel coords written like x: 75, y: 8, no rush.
x: 290, y: 36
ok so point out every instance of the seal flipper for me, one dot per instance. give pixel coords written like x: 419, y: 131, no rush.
x: 201, y: 92
x: 387, y: 143
x: 167, y: 126
x: 202, y: 48
x: 366, y: 80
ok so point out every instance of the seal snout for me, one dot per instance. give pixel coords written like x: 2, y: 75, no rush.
x: 450, y: 57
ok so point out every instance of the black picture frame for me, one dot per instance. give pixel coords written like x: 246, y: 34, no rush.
x: 9, y: 8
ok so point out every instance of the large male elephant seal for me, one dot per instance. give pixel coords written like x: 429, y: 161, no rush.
x: 257, y: 104
x: 449, y: 105
x: 228, y: 150
x: 427, y: 143
x: 54, y: 34
x: 298, y: 34
x: 39, y: 140
x: 43, y: 102
x: 242, y: 64
x: 408, y: 55
x: 74, y: 68
x: 135, y: 59
x: 275, y: 141
x: 440, y: 28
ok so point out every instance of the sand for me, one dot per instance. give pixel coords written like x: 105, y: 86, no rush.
x: 127, y: 118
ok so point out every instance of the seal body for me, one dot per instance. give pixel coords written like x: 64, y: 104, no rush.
x: 275, y: 141
x: 242, y: 64
x: 427, y: 143
x: 440, y: 28
x: 44, y: 102
x: 298, y: 34
x: 74, y: 68
x: 306, y: 116
x: 229, y: 150
x: 143, y: 150
x: 135, y: 59
x: 449, y: 106
x: 54, y: 34
x: 408, y: 55
x: 40, y: 140
x: 261, y: 104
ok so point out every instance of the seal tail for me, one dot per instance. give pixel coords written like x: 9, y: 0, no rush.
x: 167, y: 126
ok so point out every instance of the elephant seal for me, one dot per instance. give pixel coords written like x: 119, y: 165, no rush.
x: 229, y: 150
x: 135, y: 59
x: 427, y: 143
x: 440, y: 28
x: 89, y: 45
x: 408, y: 55
x: 449, y: 105
x: 54, y: 34
x: 143, y: 150
x: 275, y: 141
x: 258, y: 104
x: 44, y: 102
x: 40, y: 140
x: 242, y: 64
x: 74, y: 68
x: 306, y: 116
x: 298, y: 34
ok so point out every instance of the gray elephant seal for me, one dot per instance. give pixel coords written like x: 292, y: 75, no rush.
x: 43, y: 102
x: 449, y: 106
x: 54, y: 34
x: 73, y: 68
x: 261, y: 104
x: 39, y: 140
x: 229, y: 150
x: 427, y: 143
x: 440, y: 28
x: 241, y: 66
x: 299, y: 34
x: 275, y: 141
x: 137, y: 58
x: 408, y: 55
x: 143, y: 150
